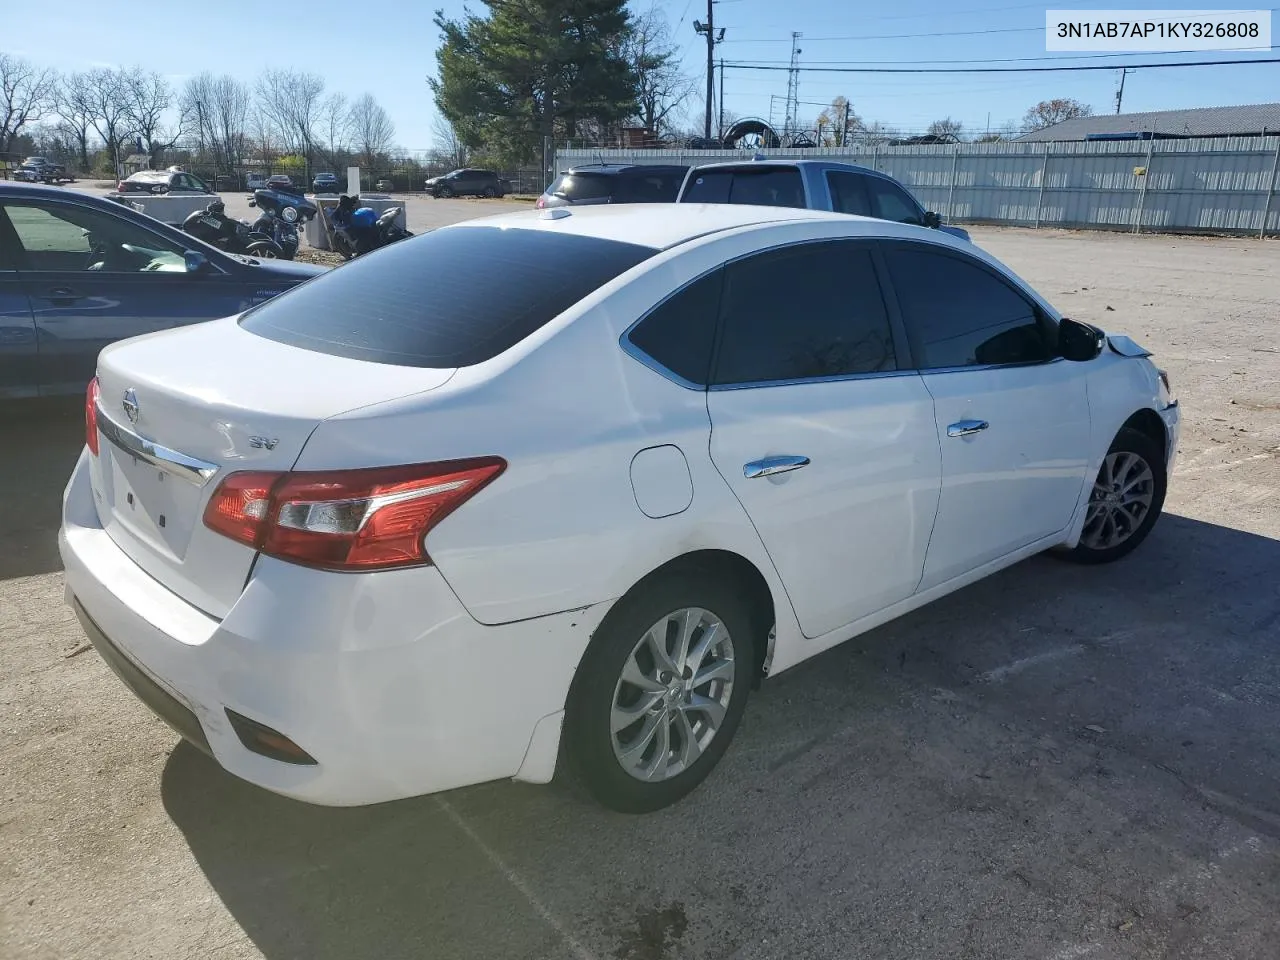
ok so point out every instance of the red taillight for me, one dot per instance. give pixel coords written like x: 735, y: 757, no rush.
x: 346, y: 519
x: 91, y: 416
x: 540, y: 203
x: 120, y: 187
x: 240, y: 505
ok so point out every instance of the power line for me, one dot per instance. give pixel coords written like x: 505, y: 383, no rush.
x: 1082, y: 56
x: 1067, y: 69
x: 903, y: 36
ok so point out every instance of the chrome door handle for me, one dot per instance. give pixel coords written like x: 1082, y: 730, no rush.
x: 771, y: 465
x: 963, y: 428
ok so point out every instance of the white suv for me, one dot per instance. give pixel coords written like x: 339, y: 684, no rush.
x: 393, y: 531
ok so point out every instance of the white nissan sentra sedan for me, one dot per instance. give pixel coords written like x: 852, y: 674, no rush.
x: 581, y: 474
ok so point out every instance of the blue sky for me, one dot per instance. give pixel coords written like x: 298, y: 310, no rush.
x: 392, y: 52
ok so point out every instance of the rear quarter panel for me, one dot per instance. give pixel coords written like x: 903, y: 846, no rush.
x: 568, y: 410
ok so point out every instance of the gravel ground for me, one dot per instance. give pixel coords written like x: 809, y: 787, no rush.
x: 1056, y: 763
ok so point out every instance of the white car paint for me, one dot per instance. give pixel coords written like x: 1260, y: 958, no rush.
x: 408, y: 681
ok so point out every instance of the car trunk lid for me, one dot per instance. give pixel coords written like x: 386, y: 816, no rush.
x: 178, y: 411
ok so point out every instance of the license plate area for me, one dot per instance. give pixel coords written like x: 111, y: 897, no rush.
x: 153, y: 505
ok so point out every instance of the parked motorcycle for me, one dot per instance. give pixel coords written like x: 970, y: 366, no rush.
x: 213, y: 226
x: 281, y: 215
x: 358, y: 230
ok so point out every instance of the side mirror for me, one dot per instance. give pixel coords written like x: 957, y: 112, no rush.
x: 1079, y: 341
x: 932, y: 219
x: 196, y: 262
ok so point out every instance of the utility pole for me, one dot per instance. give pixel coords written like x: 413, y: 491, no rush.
x: 1120, y: 92
x: 720, y: 115
x: 793, y: 89
x: 713, y: 37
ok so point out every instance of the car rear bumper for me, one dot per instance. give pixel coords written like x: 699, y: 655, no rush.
x: 383, y: 679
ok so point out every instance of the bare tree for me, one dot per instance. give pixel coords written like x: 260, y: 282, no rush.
x: 335, y: 127
x: 449, y: 149
x: 878, y: 132
x: 1048, y: 112
x: 27, y: 93
x: 661, y: 85
x: 218, y: 107
x: 292, y: 101
x: 946, y: 129
x: 108, y: 104
x: 837, y: 123
x: 265, y: 136
x: 372, y: 129
x: 75, y: 108
x: 148, y: 98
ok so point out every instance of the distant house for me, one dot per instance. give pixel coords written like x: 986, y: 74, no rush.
x: 135, y: 162
x: 1254, y: 120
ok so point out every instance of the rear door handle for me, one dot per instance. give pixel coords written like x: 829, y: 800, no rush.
x: 771, y: 465
x: 963, y: 428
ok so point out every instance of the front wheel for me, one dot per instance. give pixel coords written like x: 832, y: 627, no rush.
x: 490, y: 193
x: 661, y: 690
x: 1126, y: 499
x: 264, y: 250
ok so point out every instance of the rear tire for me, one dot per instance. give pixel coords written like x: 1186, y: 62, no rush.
x: 661, y: 690
x: 490, y: 193
x: 1126, y: 500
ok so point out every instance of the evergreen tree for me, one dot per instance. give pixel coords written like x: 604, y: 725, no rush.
x: 532, y: 69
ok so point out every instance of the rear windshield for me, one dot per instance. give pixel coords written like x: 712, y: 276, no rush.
x: 451, y: 298
x: 767, y: 186
x: 584, y: 186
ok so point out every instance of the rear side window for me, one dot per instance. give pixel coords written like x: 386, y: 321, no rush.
x: 584, y: 186
x: 650, y: 187
x: 959, y: 314
x: 766, y: 186
x: 680, y: 332
x: 450, y: 298
x: 837, y: 328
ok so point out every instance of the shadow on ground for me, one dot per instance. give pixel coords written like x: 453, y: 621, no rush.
x: 1007, y: 771
x: 41, y: 440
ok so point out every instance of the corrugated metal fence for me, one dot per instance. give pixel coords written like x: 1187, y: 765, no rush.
x: 1220, y: 185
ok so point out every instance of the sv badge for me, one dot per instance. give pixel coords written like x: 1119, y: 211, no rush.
x: 262, y: 443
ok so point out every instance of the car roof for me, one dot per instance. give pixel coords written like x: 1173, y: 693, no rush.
x: 151, y: 175
x: 823, y: 164
x: 665, y: 225
x: 614, y: 169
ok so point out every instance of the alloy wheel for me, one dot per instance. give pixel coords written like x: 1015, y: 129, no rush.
x: 670, y: 701
x: 1121, y: 499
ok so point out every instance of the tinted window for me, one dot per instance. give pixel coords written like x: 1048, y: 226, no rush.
x: 650, y: 187
x: 847, y: 193
x: 807, y: 311
x: 679, y: 333
x: 63, y: 237
x: 766, y: 186
x: 449, y: 298
x: 584, y: 186
x: 959, y: 314
x: 891, y: 202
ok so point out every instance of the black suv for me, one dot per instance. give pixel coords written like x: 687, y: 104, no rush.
x: 614, y: 183
x: 467, y: 183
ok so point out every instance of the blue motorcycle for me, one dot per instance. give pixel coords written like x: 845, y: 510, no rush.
x: 281, y: 215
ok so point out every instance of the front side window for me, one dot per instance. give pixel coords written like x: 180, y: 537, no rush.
x: 890, y: 202
x: 848, y: 195
x: 762, y: 186
x: 959, y: 314
x: 812, y: 310
x: 432, y: 301
x: 63, y: 237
